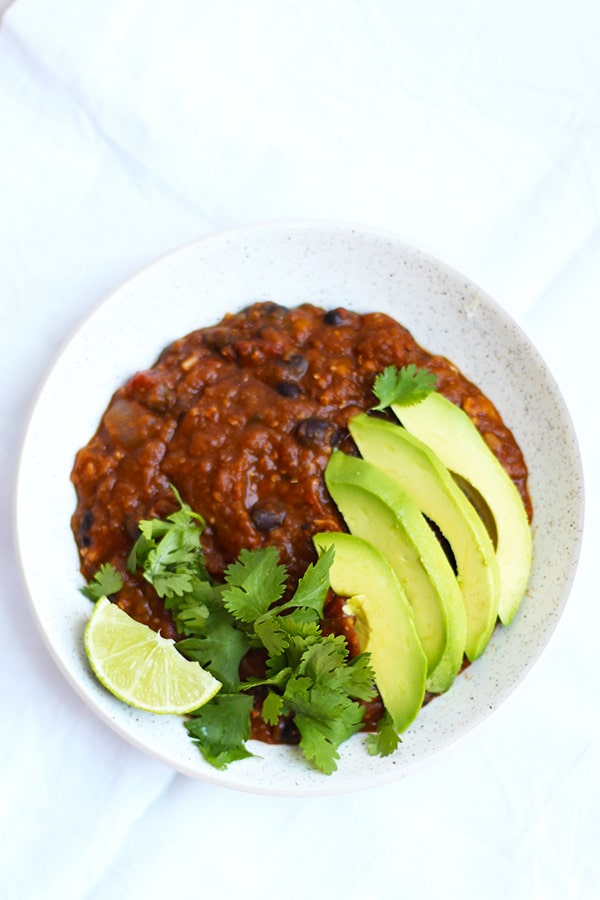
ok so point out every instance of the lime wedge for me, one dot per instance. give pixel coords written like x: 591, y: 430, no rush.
x: 141, y: 667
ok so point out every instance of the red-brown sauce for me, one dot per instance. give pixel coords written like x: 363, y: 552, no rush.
x: 241, y: 418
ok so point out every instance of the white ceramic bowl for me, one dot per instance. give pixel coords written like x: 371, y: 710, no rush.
x: 329, y: 265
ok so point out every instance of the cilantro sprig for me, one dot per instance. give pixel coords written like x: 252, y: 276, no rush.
x: 308, y: 675
x: 403, y: 387
x: 385, y: 740
x: 169, y: 552
x: 106, y: 581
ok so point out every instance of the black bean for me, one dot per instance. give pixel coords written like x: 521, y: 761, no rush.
x: 337, y: 316
x: 268, y: 514
x: 87, y: 520
x: 296, y: 365
x: 85, y: 525
x: 272, y: 308
x: 217, y: 338
x: 317, y: 432
x: 288, y: 732
x: 288, y: 389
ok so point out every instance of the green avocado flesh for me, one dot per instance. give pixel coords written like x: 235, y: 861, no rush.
x: 376, y: 508
x: 384, y: 622
x: 454, y: 438
x: 425, y: 479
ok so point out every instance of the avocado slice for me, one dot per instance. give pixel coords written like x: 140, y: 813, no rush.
x: 423, y: 476
x: 376, y: 507
x: 452, y: 435
x: 384, y: 622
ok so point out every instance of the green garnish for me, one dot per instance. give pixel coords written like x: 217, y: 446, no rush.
x: 386, y: 740
x: 308, y: 674
x: 221, y: 729
x: 404, y: 387
x: 169, y: 551
x: 105, y: 582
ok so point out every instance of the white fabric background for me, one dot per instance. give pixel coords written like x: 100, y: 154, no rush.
x: 130, y: 127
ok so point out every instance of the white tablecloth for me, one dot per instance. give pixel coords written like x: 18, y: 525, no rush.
x: 128, y: 128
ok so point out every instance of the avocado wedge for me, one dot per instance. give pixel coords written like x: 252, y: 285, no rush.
x: 423, y: 476
x: 376, y: 508
x: 384, y: 622
x: 452, y: 435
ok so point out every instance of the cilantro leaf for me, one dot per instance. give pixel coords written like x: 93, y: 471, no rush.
x: 221, y: 728
x: 299, y: 637
x: 220, y: 648
x: 105, y: 582
x: 271, y: 708
x: 403, y: 387
x: 271, y: 633
x: 312, y: 588
x: 321, y: 660
x: 169, y: 551
x: 185, y: 512
x: 139, y: 552
x: 325, y: 719
x: 190, y: 611
x: 168, y: 563
x: 277, y: 679
x: 354, y: 678
x: 386, y: 739
x: 255, y: 582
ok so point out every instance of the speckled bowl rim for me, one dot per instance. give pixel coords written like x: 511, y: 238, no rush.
x: 329, y: 264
